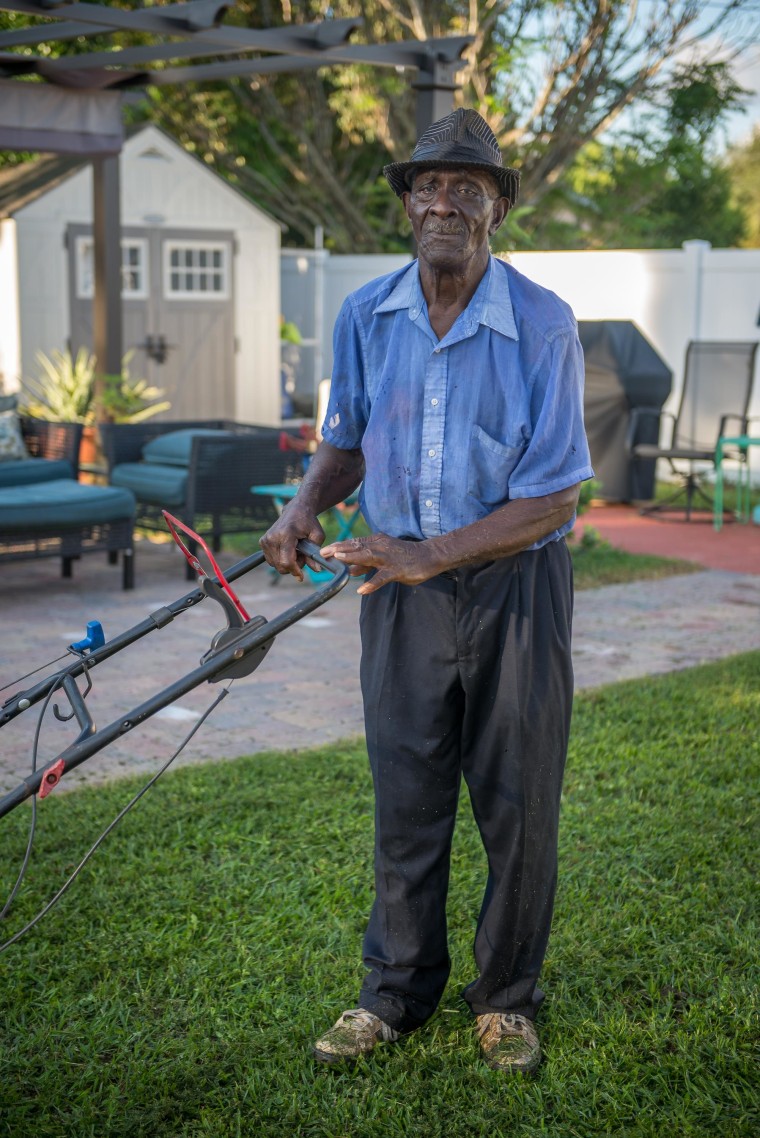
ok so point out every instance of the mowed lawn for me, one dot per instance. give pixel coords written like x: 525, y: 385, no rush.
x: 177, y: 987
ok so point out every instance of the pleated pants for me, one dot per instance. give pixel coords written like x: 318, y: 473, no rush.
x: 467, y: 675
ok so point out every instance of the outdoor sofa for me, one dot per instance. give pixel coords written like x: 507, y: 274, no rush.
x: 44, y: 510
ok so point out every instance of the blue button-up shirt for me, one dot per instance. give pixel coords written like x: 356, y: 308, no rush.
x: 452, y: 429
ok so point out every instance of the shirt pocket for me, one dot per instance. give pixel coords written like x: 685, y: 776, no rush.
x: 490, y: 467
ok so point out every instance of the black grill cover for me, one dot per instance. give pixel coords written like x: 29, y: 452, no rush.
x: 623, y: 371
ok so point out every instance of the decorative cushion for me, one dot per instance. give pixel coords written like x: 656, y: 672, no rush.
x: 173, y: 448
x: 151, y: 482
x: 63, y: 504
x: 11, y: 442
x: 25, y: 471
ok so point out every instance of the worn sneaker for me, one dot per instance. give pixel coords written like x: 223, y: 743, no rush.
x: 355, y: 1033
x: 509, y: 1042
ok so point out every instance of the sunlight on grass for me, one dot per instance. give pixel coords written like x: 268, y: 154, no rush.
x: 176, y: 989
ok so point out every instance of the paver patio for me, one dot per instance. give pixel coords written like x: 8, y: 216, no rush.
x: 306, y: 692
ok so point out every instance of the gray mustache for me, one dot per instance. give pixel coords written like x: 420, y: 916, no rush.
x: 438, y: 227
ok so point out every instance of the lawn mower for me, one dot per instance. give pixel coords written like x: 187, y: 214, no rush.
x: 235, y: 652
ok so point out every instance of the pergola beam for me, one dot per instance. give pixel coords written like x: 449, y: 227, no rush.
x: 196, y: 15
x: 305, y: 45
x: 420, y: 55
x: 305, y: 40
x: 171, y: 19
x: 99, y: 19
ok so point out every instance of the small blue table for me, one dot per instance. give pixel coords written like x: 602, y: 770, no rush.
x: 346, y: 515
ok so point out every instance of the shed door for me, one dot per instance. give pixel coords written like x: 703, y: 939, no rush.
x: 177, y: 304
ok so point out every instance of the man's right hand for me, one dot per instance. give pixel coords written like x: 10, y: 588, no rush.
x: 279, y: 543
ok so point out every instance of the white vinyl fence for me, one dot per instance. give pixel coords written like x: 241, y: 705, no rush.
x: 674, y: 295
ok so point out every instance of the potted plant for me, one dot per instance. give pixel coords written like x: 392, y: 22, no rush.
x: 62, y: 393
x: 66, y: 391
x: 123, y: 399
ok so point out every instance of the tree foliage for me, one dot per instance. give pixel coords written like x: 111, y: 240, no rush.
x: 550, y: 76
x: 654, y: 188
x: 744, y: 169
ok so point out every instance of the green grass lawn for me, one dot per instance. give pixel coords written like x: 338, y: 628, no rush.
x: 597, y: 563
x: 176, y: 989
x: 665, y: 490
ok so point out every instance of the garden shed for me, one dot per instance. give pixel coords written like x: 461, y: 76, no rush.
x: 200, y: 277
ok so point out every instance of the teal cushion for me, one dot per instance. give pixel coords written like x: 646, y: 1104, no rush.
x: 173, y: 448
x: 63, y: 504
x: 149, y: 482
x: 23, y: 471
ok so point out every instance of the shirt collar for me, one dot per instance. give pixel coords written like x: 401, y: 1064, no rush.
x: 406, y: 293
x: 491, y: 305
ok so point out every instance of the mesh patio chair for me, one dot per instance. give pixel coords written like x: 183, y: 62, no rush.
x: 715, y: 399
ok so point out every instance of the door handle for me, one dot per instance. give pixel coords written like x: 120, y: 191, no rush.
x: 156, y: 347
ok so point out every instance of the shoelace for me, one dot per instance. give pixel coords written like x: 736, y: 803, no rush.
x: 367, y: 1021
x: 504, y: 1019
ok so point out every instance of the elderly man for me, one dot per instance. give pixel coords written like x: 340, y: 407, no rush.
x: 457, y: 398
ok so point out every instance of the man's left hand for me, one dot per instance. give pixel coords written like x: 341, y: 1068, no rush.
x: 408, y: 562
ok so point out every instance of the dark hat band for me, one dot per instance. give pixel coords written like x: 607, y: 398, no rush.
x: 400, y: 175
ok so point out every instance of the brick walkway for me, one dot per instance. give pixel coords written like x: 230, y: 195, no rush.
x: 306, y: 692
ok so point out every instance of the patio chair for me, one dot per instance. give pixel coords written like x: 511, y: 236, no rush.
x: 201, y: 470
x: 715, y: 399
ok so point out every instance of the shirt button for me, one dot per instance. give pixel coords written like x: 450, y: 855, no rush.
x: 428, y: 502
x: 431, y: 454
x: 434, y: 402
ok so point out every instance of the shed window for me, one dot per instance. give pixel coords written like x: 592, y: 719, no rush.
x: 134, y: 268
x: 196, y: 270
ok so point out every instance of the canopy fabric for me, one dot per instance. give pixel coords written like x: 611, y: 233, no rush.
x: 623, y: 371
x: 36, y: 117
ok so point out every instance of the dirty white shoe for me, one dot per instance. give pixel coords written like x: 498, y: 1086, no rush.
x: 509, y: 1042
x: 355, y: 1033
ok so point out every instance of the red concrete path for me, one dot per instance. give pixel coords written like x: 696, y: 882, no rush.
x: 735, y: 547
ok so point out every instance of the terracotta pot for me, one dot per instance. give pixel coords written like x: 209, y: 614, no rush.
x: 90, y: 455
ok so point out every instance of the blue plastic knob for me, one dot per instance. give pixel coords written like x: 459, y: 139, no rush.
x: 95, y: 638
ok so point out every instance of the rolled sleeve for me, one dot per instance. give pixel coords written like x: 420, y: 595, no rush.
x: 557, y: 455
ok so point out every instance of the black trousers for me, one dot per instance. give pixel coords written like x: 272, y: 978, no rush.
x: 468, y: 675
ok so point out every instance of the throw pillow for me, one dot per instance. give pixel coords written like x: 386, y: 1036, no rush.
x: 11, y: 443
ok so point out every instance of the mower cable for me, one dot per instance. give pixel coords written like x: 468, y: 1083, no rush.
x: 33, y: 820
x: 34, y: 671
x: 111, y: 826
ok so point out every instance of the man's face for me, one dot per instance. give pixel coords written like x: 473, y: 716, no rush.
x: 453, y: 213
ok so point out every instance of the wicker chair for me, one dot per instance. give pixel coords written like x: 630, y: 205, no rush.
x: 201, y: 470
x: 52, y: 441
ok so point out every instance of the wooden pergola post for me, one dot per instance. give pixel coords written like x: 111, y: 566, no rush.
x: 435, y: 87
x: 106, y: 304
